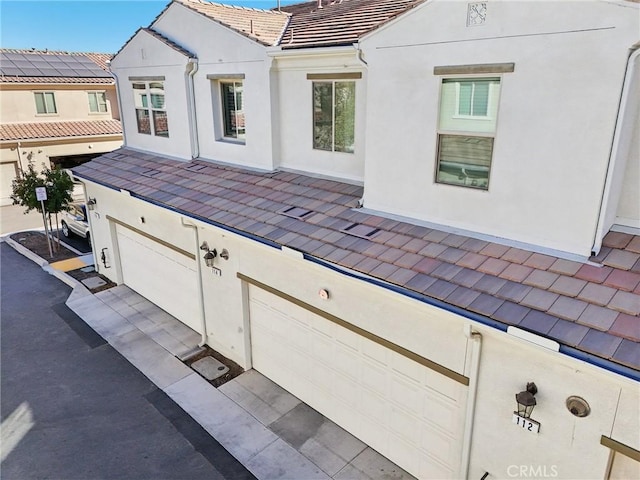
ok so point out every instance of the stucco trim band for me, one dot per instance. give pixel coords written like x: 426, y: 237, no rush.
x: 225, y: 76
x: 335, y: 76
x: 620, y: 448
x: 359, y: 331
x: 474, y: 69
x: 152, y: 238
x: 159, y: 78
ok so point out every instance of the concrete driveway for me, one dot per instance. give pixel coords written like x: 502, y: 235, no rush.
x: 74, y: 408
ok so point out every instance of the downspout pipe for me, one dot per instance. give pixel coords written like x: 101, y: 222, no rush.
x: 203, y: 318
x: 476, y: 342
x: 192, y: 68
x: 627, y: 84
x: 119, y: 97
x: 20, y: 159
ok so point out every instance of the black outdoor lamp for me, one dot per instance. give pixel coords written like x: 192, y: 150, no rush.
x: 526, y: 400
x: 210, y: 256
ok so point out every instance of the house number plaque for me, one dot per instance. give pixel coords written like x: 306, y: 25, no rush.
x: 526, y: 423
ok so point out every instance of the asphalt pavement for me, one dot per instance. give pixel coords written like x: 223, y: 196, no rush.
x: 73, y: 408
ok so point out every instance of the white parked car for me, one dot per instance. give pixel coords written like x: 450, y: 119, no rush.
x: 75, y: 222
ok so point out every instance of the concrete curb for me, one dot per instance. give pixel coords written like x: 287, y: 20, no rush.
x: 62, y: 276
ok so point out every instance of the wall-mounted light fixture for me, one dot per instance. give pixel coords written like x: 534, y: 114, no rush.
x: 210, y: 256
x: 526, y: 400
x: 578, y: 406
x: 91, y: 203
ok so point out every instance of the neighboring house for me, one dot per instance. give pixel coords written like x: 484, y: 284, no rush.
x: 401, y: 211
x: 58, y: 108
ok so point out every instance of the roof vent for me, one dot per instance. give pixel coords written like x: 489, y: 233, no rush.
x: 152, y: 172
x: 295, y: 212
x: 360, y: 230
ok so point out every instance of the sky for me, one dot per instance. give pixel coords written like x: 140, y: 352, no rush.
x: 100, y: 26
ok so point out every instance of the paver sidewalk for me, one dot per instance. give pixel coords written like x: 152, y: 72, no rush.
x: 266, y: 428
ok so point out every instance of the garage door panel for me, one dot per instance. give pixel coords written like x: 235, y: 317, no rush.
x: 405, y: 453
x: 375, y: 353
x: 163, y: 276
x: 345, y: 389
x: 373, y: 376
x: 392, y: 403
x: 405, y: 426
x: 445, y: 415
x: 438, y: 444
x: 407, y: 395
x: 344, y: 361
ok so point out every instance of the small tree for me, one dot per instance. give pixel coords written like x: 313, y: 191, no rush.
x: 59, y: 193
x: 24, y: 189
x: 58, y: 184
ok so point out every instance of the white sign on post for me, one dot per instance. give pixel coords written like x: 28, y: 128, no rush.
x: 41, y: 193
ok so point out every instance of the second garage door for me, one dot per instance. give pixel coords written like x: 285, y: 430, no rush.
x: 165, y: 276
x: 404, y: 410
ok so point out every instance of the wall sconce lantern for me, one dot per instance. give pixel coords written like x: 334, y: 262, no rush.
x: 526, y: 400
x: 210, y: 256
x: 91, y: 203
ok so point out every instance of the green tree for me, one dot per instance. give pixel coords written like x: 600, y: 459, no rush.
x: 59, y: 187
x: 24, y: 189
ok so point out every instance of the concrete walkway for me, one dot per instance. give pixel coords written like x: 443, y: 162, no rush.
x: 271, y: 432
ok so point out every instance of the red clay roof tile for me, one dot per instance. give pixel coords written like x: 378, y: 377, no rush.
x: 28, y: 131
x: 249, y: 201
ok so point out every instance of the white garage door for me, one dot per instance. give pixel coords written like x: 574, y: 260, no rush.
x: 404, y: 410
x: 8, y: 172
x: 163, y: 275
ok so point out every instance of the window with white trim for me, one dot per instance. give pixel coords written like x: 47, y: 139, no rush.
x: 151, y: 113
x: 232, y: 102
x: 334, y: 112
x: 97, y: 102
x: 45, y: 103
x: 466, y: 131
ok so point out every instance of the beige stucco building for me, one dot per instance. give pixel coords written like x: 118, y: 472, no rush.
x: 52, y: 113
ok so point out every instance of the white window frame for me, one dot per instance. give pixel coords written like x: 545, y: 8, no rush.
x: 223, y: 124
x: 466, y: 133
x: 332, y: 82
x: 106, y: 103
x: 43, y: 93
x: 471, y: 115
x: 149, y: 108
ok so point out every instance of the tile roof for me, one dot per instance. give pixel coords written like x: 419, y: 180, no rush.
x: 99, y: 59
x: 263, y: 26
x: 38, y: 130
x: 593, y: 307
x: 166, y: 41
x: 338, y: 22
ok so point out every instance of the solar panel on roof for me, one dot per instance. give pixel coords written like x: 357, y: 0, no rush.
x: 53, y: 65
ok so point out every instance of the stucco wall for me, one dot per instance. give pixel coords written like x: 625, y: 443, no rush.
x: 555, y: 120
x: 230, y: 53
x: 628, y: 207
x: 295, y: 97
x: 146, y: 56
x: 17, y: 103
x: 568, y: 444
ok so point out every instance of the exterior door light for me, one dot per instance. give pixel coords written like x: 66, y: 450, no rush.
x: 91, y: 203
x: 526, y: 400
x: 210, y: 256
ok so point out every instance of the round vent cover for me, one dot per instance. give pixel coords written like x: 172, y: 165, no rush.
x: 578, y: 406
